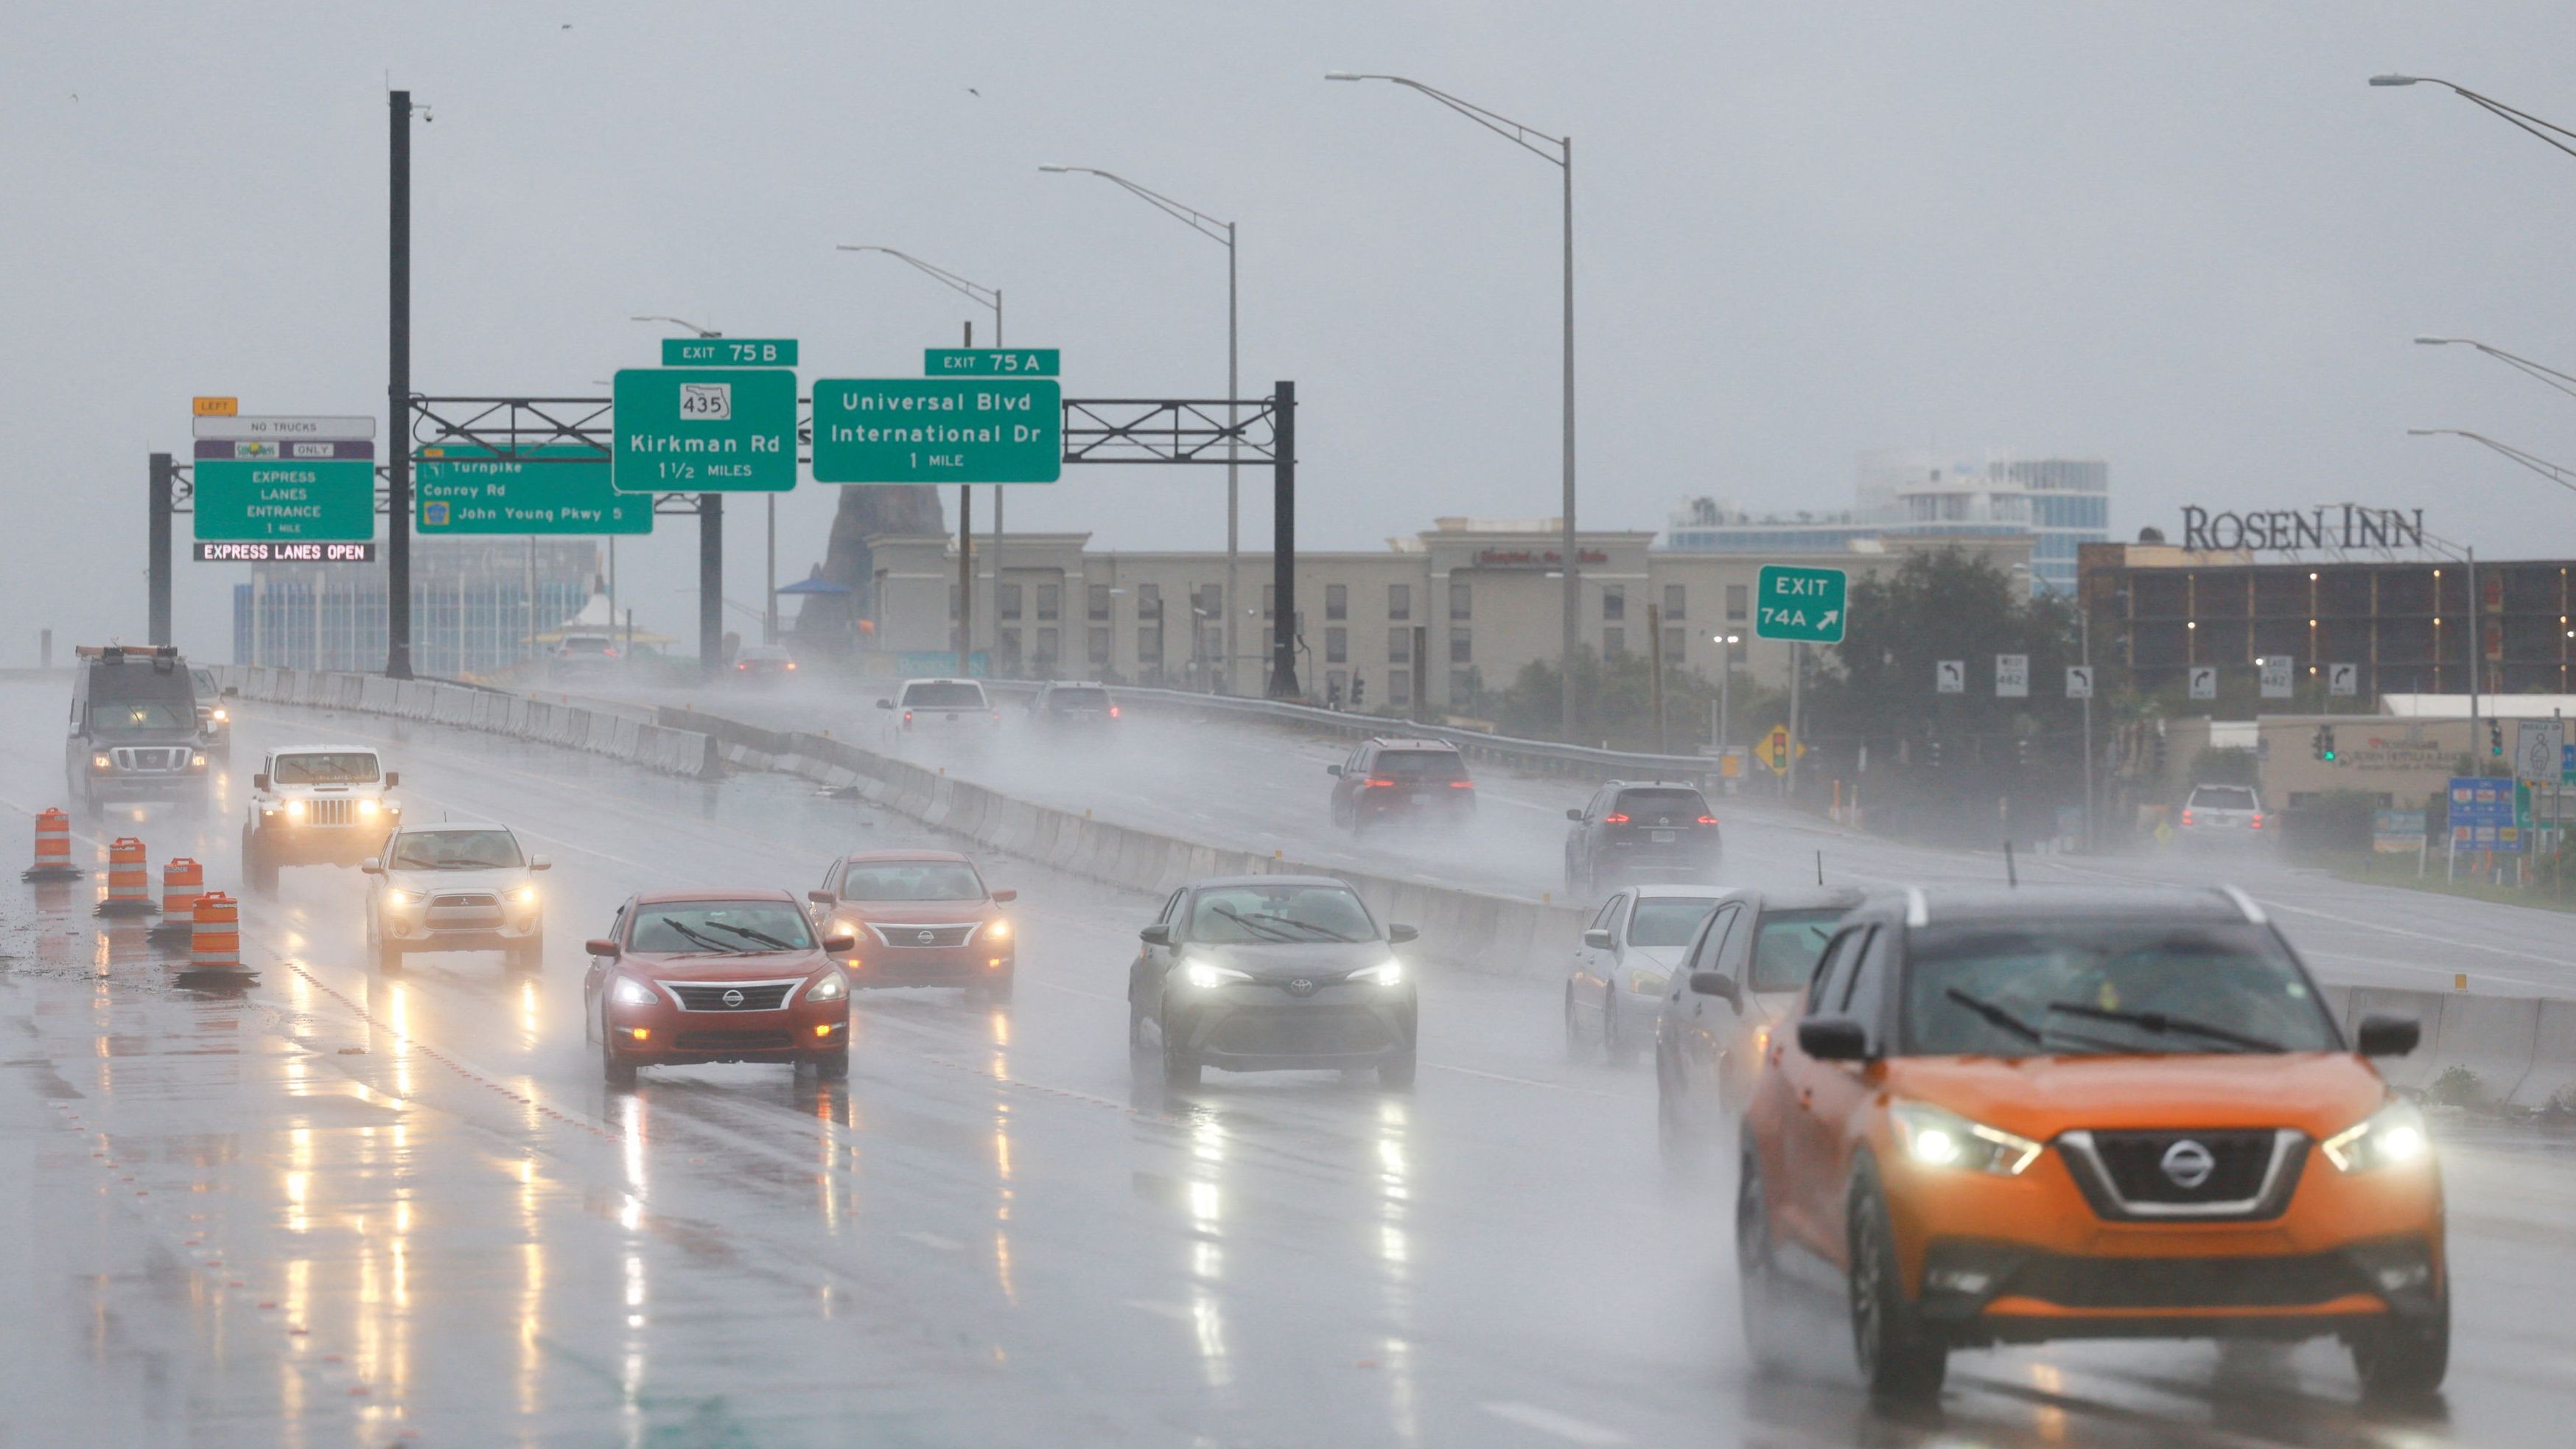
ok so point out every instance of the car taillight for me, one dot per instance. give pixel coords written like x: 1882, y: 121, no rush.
x: 791, y: 663
x: 1462, y: 784
x: 907, y: 716
x: 1381, y: 784
x: 1113, y: 711
x: 1614, y: 819
x: 746, y: 664
x: 1708, y: 820
x: 2258, y: 819
x: 2186, y: 815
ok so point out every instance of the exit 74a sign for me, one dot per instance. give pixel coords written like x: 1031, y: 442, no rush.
x: 1801, y: 604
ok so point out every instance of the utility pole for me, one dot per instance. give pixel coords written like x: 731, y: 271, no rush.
x: 1655, y: 652
x: 966, y: 563
x: 2477, y: 646
x: 1283, y: 545
x: 398, y: 398
x: 1797, y: 677
x: 163, y: 486
x: 2084, y: 617
x: 710, y: 585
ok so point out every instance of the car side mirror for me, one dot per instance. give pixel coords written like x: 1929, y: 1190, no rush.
x: 1574, y: 815
x: 840, y: 945
x: 885, y: 704
x: 392, y: 778
x: 1718, y: 984
x: 1833, y: 1039
x: 1005, y: 897
x: 1333, y: 770
x: 539, y: 862
x: 823, y: 898
x: 1398, y: 935
x: 600, y: 946
x: 2388, y: 1036
x: 1155, y: 935
x: 371, y: 867
x: 259, y: 782
x: 1597, y: 939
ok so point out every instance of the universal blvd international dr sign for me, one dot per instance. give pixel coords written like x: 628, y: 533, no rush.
x: 938, y: 430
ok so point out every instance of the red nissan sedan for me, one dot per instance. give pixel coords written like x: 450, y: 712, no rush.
x: 919, y: 918
x: 684, y: 977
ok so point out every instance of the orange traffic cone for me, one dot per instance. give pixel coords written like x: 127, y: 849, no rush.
x: 53, y: 849
x: 129, y: 880
x: 214, y: 944
x: 182, y: 881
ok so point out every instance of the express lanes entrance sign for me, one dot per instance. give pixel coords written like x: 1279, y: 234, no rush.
x: 241, y: 500
x: 704, y: 430
x: 1799, y: 603
x: 562, y: 489
x: 938, y: 430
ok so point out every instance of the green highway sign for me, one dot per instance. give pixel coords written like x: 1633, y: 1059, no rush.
x: 317, y: 500
x: 938, y: 430
x: 728, y: 352
x: 1801, y: 604
x: 467, y: 490
x: 704, y: 430
x: 991, y: 361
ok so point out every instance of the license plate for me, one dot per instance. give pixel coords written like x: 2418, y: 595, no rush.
x: 1660, y: 837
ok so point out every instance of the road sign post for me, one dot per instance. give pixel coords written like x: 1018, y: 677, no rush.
x: 2012, y: 676
x: 2537, y: 750
x: 2204, y: 681
x: 704, y: 430
x: 2079, y: 681
x: 2343, y: 681
x: 2276, y: 675
x: 1950, y: 676
x: 938, y: 430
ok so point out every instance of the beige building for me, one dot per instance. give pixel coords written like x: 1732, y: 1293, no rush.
x: 1422, y: 620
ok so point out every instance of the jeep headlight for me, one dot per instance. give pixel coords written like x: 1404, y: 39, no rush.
x: 1207, y: 976
x: 1389, y: 972
x: 832, y: 987
x: 294, y: 809
x: 222, y: 715
x: 1938, y: 1137
x: 2390, y: 1137
x: 630, y: 992
x: 368, y: 806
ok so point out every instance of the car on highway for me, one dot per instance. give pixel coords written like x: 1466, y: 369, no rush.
x: 214, y: 715
x: 690, y: 977
x: 1627, y: 951
x: 1745, y: 970
x: 1272, y: 973
x: 134, y: 729
x: 955, y: 711
x: 763, y: 664
x: 576, y: 657
x: 2222, y: 813
x: 1635, y: 831
x: 455, y: 886
x: 1395, y: 781
x: 2010, y: 1116
x: 1072, y: 705
x: 317, y: 805
x: 919, y: 918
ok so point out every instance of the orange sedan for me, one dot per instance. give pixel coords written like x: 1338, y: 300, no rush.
x: 919, y: 918
x: 2011, y: 1116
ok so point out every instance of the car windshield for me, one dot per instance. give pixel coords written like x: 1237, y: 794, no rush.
x: 338, y: 767
x: 724, y: 927
x: 1787, y: 946
x: 1666, y: 921
x: 2081, y: 987
x: 911, y: 880
x: 2222, y: 797
x: 1661, y: 805
x: 136, y: 717
x: 1092, y: 699
x: 456, y: 850
x: 1258, y: 914
x: 1420, y: 765
x: 204, y: 680
x: 944, y: 694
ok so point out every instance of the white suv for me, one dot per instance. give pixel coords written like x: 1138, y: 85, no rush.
x: 943, y: 709
x: 316, y: 805
x: 2231, y: 812
x: 455, y: 887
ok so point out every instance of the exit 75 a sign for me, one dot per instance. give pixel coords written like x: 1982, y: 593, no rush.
x: 1799, y: 603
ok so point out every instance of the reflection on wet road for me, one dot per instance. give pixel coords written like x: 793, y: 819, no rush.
x: 355, y: 1207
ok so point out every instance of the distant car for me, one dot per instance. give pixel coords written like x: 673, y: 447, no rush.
x: 214, y: 716
x: 686, y: 977
x: 134, y: 729
x: 1637, y: 832
x: 1402, y: 782
x: 316, y: 805
x: 455, y: 887
x: 919, y: 918
x: 1072, y: 705
x: 1628, y: 949
x: 2222, y: 812
x: 953, y: 710
x: 763, y: 663
x: 582, y: 656
x: 1743, y: 972
x: 1271, y: 973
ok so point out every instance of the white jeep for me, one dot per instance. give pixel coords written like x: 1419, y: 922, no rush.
x: 316, y: 805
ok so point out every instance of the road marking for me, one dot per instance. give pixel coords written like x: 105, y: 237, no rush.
x: 933, y: 1240
x: 1549, y: 1421
x: 1526, y: 1081
x: 1180, y: 1312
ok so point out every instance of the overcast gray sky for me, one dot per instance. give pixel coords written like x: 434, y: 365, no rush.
x: 2182, y: 236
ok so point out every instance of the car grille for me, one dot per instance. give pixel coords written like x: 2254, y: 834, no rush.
x: 466, y: 900
x: 2130, y: 1175
x: 2170, y: 1283
x: 1300, y: 1031
x: 150, y: 759
x: 925, y: 937
x: 744, y: 995
x: 464, y: 910
x: 717, y: 1043
x: 330, y: 812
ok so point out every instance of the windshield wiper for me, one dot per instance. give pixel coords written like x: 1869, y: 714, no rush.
x: 709, y: 942
x: 1994, y: 1014
x: 2159, y: 1023
x: 764, y: 938
x: 1250, y: 923
x: 1328, y: 935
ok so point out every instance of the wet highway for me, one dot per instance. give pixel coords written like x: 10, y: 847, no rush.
x: 353, y: 1208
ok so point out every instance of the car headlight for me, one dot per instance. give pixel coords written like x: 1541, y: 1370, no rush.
x: 832, y: 987
x: 2390, y: 1137
x: 100, y: 762
x: 1647, y: 983
x: 395, y: 897
x: 294, y: 809
x: 196, y: 762
x: 1389, y: 972
x: 222, y: 714
x: 997, y: 930
x: 1207, y: 976
x: 525, y: 895
x: 630, y: 992
x: 1937, y: 1137
x: 369, y: 806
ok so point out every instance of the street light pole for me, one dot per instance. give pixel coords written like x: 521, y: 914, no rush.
x: 1221, y: 232
x: 2549, y: 132
x: 1725, y: 680
x: 1537, y: 143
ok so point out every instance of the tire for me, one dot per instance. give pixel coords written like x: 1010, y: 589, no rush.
x: 1395, y: 1070
x: 389, y: 956
x: 1898, y: 1361
x: 527, y: 955
x: 833, y: 1068
x: 620, y: 1076
x: 1573, y: 1028
x: 1759, y: 1300
x: 1616, y: 1049
x: 996, y: 992
x: 1180, y: 1069
x: 1138, y: 1048
x: 2404, y: 1362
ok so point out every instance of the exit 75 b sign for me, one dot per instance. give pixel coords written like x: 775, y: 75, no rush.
x: 1798, y: 603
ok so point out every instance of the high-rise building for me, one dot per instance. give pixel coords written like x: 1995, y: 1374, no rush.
x: 2070, y: 506
x: 477, y: 605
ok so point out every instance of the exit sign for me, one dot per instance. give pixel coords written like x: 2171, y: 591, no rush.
x: 1798, y: 603
x: 728, y: 352
x: 992, y: 361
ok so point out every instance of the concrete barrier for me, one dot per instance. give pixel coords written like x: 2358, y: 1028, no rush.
x: 622, y: 735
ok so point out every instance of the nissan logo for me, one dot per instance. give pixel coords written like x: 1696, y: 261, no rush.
x: 2188, y: 1164
x: 734, y: 998
x: 925, y: 937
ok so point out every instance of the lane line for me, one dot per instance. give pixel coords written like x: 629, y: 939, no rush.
x: 1549, y: 1421
x: 933, y: 1240
x: 1179, y: 1312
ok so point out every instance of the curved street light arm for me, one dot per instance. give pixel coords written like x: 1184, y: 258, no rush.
x: 2547, y: 131
x: 1182, y: 212
x: 2563, y: 477
x: 678, y: 322
x: 973, y: 291
x: 2551, y: 376
x: 1501, y: 125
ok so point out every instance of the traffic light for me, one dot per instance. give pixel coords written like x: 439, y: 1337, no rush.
x: 2495, y: 738
x: 1936, y: 754
x: 2021, y: 751
x: 1359, y: 691
x: 2323, y: 746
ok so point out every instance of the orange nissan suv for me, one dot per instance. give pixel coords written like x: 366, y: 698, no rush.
x: 2010, y: 1116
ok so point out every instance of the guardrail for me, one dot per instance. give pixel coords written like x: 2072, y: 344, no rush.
x: 626, y: 734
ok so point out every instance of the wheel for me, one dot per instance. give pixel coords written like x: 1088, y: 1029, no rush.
x: 1678, y: 1143
x: 619, y: 1075
x: 996, y: 991
x: 834, y: 1068
x: 1137, y: 1046
x: 1573, y: 1027
x: 1758, y: 1296
x: 1395, y: 1069
x: 525, y: 955
x: 2402, y: 1362
x: 1616, y: 1049
x: 1180, y: 1069
x: 389, y: 955
x: 89, y: 801
x: 1898, y: 1360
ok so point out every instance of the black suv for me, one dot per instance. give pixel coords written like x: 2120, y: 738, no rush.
x: 1395, y: 781
x: 1077, y: 704
x: 1631, y: 832
x: 134, y: 728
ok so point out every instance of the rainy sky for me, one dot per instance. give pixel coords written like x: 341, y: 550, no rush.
x: 2182, y: 236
